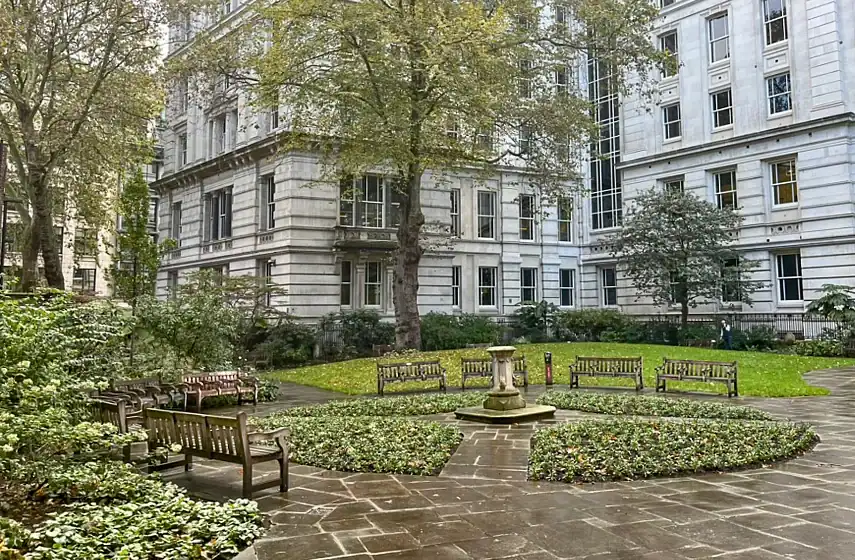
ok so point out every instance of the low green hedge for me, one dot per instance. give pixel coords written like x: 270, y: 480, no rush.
x: 648, y: 406
x: 413, y: 405
x: 365, y: 444
x: 625, y: 449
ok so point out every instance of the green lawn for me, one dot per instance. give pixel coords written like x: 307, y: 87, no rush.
x: 760, y: 374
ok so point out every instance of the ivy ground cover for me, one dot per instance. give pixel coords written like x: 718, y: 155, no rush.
x: 627, y: 449
x: 761, y: 374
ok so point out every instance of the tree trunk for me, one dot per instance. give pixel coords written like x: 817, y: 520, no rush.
x: 43, y: 209
x: 684, y: 317
x: 30, y: 258
x: 408, y: 330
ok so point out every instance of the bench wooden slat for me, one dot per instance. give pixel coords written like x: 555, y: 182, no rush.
x: 201, y: 385
x: 597, y: 366
x: 471, y: 368
x: 698, y: 371
x: 410, y: 371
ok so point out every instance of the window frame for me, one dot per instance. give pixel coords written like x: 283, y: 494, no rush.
x: 776, y: 183
x: 675, y: 53
x: 87, y: 282
x: 176, y: 228
x: 717, y: 110
x: 218, y: 214
x: 713, y: 40
x: 566, y: 288
x: 666, y: 124
x: 491, y: 289
x: 722, y: 195
x: 769, y: 23
x: 772, y: 96
x: 456, y: 275
x: 455, y: 229
x: 345, y: 286
x: 565, y: 222
x: 268, y: 202
x: 607, y: 289
x: 527, y: 222
x: 678, y: 182
x: 483, y: 218
x: 528, y: 285
x: 182, y: 149
x: 726, y: 288
x: 782, y: 279
x: 377, y: 286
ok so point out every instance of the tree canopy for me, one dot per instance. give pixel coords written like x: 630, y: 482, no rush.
x: 678, y: 249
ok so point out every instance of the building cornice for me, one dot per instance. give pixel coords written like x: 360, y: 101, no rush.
x: 807, y: 126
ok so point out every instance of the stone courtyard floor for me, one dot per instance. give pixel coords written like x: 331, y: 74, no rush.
x: 481, y: 506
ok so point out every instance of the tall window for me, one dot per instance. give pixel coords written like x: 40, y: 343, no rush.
x: 780, y: 93
x: 455, y: 286
x: 562, y: 80
x: 722, y: 108
x: 265, y: 278
x: 526, y: 217
x: 676, y: 184
x: 226, y: 6
x: 785, y: 187
x: 486, y: 215
x: 183, y: 96
x: 218, y: 211
x: 526, y: 87
x: 524, y: 137
x: 175, y: 221
x: 608, y: 282
x: 233, y: 129
x: 731, y: 290
x: 775, y: 20
x: 725, y: 189
x: 455, y: 213
x: 346, y: 283
x: 528, y: 285
x: 373, y: 283
x: 182, y: 149
x: 562, y: 16
x: 789, y: 277
x: 671, y: 121
x: 565, y: 220
x: 668, y: 44
x: 363, y: 201
x: 268, y: 202
x: 85, y: 242
x: 172, y: 284
x: 606, y: 191
x: 719, y: 38
x: 566, y: 281
x: 83, y: 280
x: 487, y: 282
x: 219, y: 133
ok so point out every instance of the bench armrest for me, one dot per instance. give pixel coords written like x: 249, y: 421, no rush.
x: 279, y: 435
x: 248, y: 380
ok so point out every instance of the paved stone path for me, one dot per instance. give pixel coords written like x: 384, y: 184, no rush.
x: 481, y: 507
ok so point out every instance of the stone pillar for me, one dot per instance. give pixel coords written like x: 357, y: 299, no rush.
x: 503, y: 395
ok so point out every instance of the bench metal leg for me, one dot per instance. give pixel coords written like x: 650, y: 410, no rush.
x: 660, y: 385
x: 188, y: 463
x: 247, y: 481
x: 639, y: 382
x: 283, y: 473
x: 380, y: 386
x: 574, y: 381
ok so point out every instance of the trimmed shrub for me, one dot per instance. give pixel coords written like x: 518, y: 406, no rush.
x: 590, y: 324
x: 649, y: 406
x: 449, y: 332
x: 827, y: 348
x: 595, y: 451
x: 359, y: 331
x: 287, y: 344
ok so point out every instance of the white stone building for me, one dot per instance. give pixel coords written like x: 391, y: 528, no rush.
x: 760, y: 114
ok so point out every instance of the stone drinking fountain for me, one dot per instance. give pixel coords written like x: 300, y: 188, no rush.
x: 504, y: 404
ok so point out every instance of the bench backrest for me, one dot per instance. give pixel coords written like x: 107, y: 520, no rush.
x: 482, y: 365
x: 699, y: 368
x: 109, y: 412
x: 215, y: 437
x: 212, y: 377
x: 141, y: 384
x: 596, y: 364
x: 409, y: 369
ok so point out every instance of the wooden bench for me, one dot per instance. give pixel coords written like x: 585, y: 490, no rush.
x: 199, y: 386
x: 588, y: 366
x: 694, y: 370
x: 148, y: 392
x: 116, y: 412
x: 471, y: 368
x: 219, y: 438
x: 410, y: 371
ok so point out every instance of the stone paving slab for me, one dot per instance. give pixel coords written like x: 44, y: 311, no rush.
x: 482, y: 507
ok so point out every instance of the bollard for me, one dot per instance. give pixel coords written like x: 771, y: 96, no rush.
x: 547, y: 361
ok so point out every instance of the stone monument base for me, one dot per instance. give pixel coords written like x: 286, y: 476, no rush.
x: 529, y: 413
x: 504, y: 400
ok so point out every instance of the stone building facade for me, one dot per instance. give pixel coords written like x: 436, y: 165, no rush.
x: 760, y: 115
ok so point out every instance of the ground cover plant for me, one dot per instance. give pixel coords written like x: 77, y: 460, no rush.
x: 648, y: 406
x: 407, y: 405
x: 761, y: 374
x: 367, y: 444
x: 627, y: 449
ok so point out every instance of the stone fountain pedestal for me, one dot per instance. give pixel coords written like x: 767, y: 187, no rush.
x: 504, y: 404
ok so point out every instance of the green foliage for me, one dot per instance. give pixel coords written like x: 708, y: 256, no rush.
x: 676, y: 248
x: 14, y: 538
x: 288, y: 343
x: 594, y: 451
x: 590, y: 324
x: 359, y: 330
x: 837, y: 303
x: 447, y: 332
x: 167, y: 525
x: 828, y: 348
x: 136, y: 257
x: 535, y: 322
x: 648, y: 406
x: 761, y: 374
x: 413, y: 405
x: 367, y: 444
